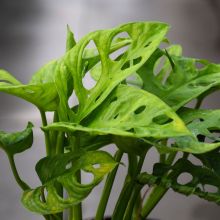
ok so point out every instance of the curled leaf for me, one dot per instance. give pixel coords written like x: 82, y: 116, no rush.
x: 46, y: 200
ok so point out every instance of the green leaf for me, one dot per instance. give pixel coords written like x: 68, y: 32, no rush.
x: 6, y: 77
x: 203, y: 124
x: 57, y: 172
x: 17, y: 142
x: 131, y: 112
x: 202, y: 178
x: 180, y: 79
x: 41, y: 91
x: 70, y: 40
x: 144, y: 37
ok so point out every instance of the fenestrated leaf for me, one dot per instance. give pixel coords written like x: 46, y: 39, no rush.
x: 202, y: 177
x: 17, y: 142
x: 131, y: 112
x: 144, y: 38
x: 181, y: 79
x: 58, y: 173
x: 203, y: 124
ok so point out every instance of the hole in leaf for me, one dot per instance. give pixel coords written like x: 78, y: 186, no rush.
x: 116, y: 116
x: 148, y: 44
x: 200, y: 137
x: 131, y: 130
x: 68, y: 166
x: 209, y: 139
x: 210, y: 188
x: 96, y: 166
x: 140, y: 109
x: 43, y: 196
x: 90, y: 45
x: 88, y: 81
x: 97, y: 98
x: 125, y: 65
x: 118, y: 54
x: 86, y: 177
x: 137, y: 60
x: 113, y: 99
x: 134, y: 80
x: 199, y: 65
x: 159, y: 65
x: 184, y: 178
x: 73, y: 100
x: 162, y: 119
x: 4, y: 81
x: 194, y: 160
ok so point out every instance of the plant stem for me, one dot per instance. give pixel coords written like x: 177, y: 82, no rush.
x: 19, y: 181
x: 54, y: 134
x: 59, y: 144
x: 107, y: 189
x: 46, y: 133
x: 157, y: 192
x: 155, y: 196
x: 132, y: 202
x: 76, y: 210
x: 126, y: 192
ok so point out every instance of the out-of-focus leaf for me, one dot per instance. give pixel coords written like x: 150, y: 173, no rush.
x: 96, y: 162
x: 17, y: 142
x: 202, y: 124
x: 202, y: 177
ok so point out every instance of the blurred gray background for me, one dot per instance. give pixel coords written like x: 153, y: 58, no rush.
x: 33, y: 33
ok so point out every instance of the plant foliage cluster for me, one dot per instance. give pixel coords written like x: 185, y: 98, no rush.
x: 138, y: 101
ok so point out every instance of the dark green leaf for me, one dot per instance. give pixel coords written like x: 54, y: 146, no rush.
x: 202, y: 177
x: 13, y: 143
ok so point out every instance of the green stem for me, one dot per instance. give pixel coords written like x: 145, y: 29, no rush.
x: 157, y: 192
x: 54, y: 134
x: 132, y: 202
x: 76, y: 210
x: 126, y: 192
x: 107, y: 189
x: 59, y: 144
x: 155, y: 196
x: 46, y: 133
x: 19, y: 181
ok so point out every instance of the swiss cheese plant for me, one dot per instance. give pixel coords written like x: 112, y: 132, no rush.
x: 138, y: 101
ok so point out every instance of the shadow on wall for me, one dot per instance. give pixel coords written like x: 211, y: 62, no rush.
x: 206, y: 211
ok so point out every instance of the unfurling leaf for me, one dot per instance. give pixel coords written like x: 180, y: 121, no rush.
x: 46, y: 200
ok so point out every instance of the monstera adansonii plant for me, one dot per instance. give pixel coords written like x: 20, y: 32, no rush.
x: 138, y: 100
